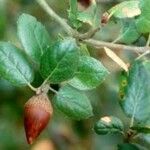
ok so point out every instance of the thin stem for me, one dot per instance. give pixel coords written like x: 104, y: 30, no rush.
x: 148, y: 49
x: 92, y: 42
x: 148, y: 41
x: 32, y: 88
x: 51, y: 89
x: 116, y: 40
x: 143, y: 55
x: 69, y: 30
x: 88, y: 34
x: 100, y: 44
x: 55, y: 16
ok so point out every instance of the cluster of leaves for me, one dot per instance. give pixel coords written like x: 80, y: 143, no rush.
x: 59, y: 62
x: 89, y: 16
x: 134, y: 18
x: 134, y: 86
x: 135, y: 102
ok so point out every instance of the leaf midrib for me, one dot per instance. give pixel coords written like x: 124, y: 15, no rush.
x: 49, y: 76
x: 136, y: 102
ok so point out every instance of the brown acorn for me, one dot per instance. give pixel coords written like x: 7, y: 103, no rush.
x: 37, y: 113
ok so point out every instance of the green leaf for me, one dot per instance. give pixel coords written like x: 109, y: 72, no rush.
x: 136, y: 99
x: 73, y: 13
x: 89, y: 75
x: 143, y: 21
x: 60, y: 61
x: 144, y: 6
x: 127, y: 9
x: 128, y: 146
x: 129, y: 33
x: 143, y: 25
x: 73, y: 103
x: 108, y: 125
x: 90, y: 15
x: 141, y: 129
x: 14, y: 66
x: 33, y: 35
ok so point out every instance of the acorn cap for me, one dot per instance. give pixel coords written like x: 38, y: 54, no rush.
x: 37, y: 113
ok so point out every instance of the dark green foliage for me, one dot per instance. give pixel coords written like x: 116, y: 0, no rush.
x: 73, y: 103
x: 60, y: 61
x: 89, y: 75
x: 33, y: 36
x: 136, y: 101
x: 14, y: 65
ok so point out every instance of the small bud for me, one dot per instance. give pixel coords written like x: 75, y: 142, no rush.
x: 37, y: 113
x: 105, y: 18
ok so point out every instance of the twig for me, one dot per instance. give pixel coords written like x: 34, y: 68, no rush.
x: 69, y: 30
x: 92, y: 42
x: 60, y: 20
x: 51, y: 89
x: 101, y: 44
x: 147, y: 51
x: 88, y: 34
x: 143, y: 55
x: 32, y: 88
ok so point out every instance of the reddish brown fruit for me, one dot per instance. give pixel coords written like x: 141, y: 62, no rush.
x: 37, y: 113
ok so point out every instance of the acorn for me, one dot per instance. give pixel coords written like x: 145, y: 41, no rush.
x: 37, y: 113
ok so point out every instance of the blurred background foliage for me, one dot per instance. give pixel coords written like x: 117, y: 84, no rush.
x: 61, y: 133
